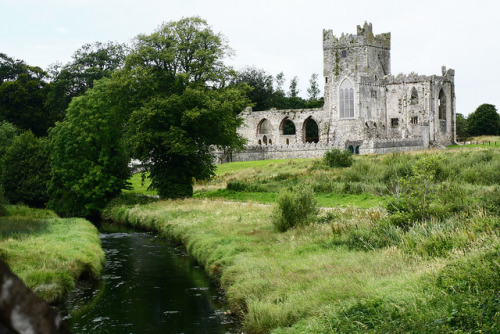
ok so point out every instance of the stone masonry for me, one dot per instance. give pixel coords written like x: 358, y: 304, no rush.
x: 366, y: 109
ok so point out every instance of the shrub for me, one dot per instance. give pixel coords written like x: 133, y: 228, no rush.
x: 294, y: 208
x: 415, y: 197
x: 26, y: 171
x: 338, y: 158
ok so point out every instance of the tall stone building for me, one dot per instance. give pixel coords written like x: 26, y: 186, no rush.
x: 366, y: 110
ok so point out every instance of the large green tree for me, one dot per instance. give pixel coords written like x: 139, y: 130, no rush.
x: 90, y: 63
x: 261, y: 84
x: 484, y: 121
x: 187, y: 108
x: 23, y: 92
x: 167, y: 107
x: 89, y: 164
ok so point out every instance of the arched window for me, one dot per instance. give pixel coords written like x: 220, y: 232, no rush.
x: 287, y: 127
x: 414, y: 96
x: 442, y: 105
x: 264, y: 127
x: 346, y: 99
x: 311, y: 131
x: 264, y: 139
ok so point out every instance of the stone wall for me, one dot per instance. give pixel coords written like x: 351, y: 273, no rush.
x: 386, y: 112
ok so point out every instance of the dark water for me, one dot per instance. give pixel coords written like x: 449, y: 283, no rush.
x: 147, y: 286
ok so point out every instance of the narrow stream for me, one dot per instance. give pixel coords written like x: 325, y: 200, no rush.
x: 147, y: 286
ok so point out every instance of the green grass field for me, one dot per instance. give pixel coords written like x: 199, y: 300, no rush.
x: 49, y: 253
x: 356, y: 268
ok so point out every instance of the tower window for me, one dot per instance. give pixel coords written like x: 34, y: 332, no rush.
x: 346, y: 99
x: 442, y: 105
x: 394, y: 122
x: 414, y: 120
x: 344, y: 53
x: 414, y: 96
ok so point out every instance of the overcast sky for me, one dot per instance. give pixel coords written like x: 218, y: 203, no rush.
x: 278, y: 35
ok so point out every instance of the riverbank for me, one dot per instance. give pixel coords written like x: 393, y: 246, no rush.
x: 49, y: 253
x: 335, y: 275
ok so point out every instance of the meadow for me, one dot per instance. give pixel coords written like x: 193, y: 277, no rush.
x: 384, y: 260
x: 48, y: 253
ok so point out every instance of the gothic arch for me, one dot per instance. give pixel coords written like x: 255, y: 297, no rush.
x: 310, y: 130
x: 287, y: 127
x: 442, y: 105
x: 346, y: 99
x: 414, y: 96
x: 264, y: 127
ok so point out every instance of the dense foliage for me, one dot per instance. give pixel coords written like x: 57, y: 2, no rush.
x: 90, y: 63
x: 267, y: 92
x: 187, y: 108
x: 89, y: 162
x: 295, y: 207
x: 338, y: 158
x: 23, y: 91
x: 462, y: 129
x: 484, y: 121
x: 26, y: 171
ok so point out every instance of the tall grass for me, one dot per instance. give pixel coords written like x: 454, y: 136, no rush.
x: 347, y: 264
x: 48, y: 253
x: 353, y: 270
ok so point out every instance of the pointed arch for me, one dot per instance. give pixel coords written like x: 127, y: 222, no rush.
x: 442, y: 105
x: 414, y: 96
x: 264, y: 127
x: 310, y: 131
x: 287, y: 127
x: 346, y: 99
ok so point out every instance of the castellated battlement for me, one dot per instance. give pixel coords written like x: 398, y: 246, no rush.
x: 447, y: 76
x: 364, y: 37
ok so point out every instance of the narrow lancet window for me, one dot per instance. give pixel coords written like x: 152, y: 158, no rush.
x: 346, y: 99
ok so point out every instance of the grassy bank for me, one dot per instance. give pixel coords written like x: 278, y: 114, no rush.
x: 49, y: 253
x: 323, y: 276
x: 357, y: 268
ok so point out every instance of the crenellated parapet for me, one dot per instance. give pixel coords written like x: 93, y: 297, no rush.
x: 364, y: 37
x: 447, y: 76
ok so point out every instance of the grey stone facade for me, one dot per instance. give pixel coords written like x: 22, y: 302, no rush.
x: 366, y: 109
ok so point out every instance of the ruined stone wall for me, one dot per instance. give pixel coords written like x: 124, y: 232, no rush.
x: 254, y: 132
x: 389, y: 113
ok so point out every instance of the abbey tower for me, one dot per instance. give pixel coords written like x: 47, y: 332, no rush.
x: 366, y: 109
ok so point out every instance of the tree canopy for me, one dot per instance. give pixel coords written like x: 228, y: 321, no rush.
x: 90, y: 63
x: 89, y: 163
x: 484, y: 121
x: 168, y: 107
x: 23, y: 91
x: 188, y: 108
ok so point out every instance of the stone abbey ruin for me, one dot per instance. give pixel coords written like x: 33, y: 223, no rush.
x: 366, y: 109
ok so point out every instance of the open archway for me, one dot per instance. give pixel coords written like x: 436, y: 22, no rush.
x: 311, y: 131
x: 287, y: 127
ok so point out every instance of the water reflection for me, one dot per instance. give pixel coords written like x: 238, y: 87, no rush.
x: 148, y: 286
